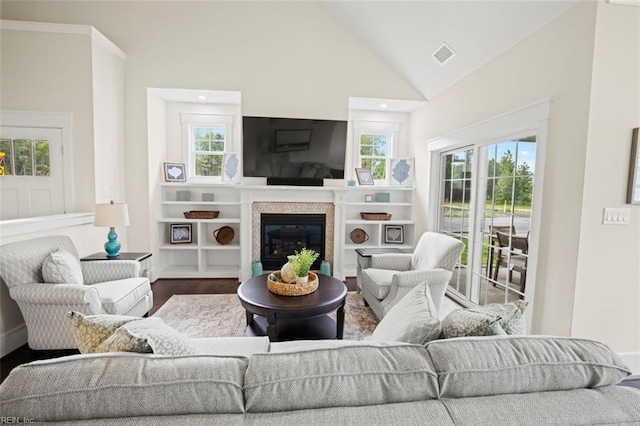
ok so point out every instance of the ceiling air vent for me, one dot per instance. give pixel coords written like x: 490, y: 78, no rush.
x: 443, y: 54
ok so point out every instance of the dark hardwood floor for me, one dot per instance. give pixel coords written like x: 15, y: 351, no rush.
x: 162, y: 291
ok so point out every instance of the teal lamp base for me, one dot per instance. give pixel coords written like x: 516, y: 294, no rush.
x: 112, y: 247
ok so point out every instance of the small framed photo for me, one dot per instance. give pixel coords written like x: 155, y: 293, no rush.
x: 394, y: 234
x: 174, y: 172
x: 368, y: 198
x: 364, y: 176
x: 180, y: 233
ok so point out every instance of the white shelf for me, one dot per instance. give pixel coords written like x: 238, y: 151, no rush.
x: 377, y: 246
x: 390, y: 222
x: 201, y: 203
x: 183, y: 220
x: 221, y: 247
x: 363, y: 203
x: 221, y: 271
x: 179, y: 271
x: 181, y: 246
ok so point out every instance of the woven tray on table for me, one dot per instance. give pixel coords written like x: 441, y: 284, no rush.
x: 201, y: 214
x: 295, y: 288
x: 375, y: 216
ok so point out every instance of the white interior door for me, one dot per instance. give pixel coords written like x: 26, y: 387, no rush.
x: 33, y: 180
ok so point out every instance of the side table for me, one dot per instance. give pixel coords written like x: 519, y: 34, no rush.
x: 142, y: 258
x: 364, y: 259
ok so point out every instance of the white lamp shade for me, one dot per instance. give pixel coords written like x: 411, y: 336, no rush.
x: 111, y: 215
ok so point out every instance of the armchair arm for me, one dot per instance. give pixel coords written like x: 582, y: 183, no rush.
x: 403, y: 282
x: 393, y: 261
x: 109, y: 270
x: 57, y: 294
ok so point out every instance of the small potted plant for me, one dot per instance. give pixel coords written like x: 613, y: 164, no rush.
x: 302, y: 262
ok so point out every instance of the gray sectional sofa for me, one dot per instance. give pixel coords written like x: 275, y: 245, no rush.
x: 506, y: 380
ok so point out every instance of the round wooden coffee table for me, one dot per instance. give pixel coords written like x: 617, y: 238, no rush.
x: 294, y: 317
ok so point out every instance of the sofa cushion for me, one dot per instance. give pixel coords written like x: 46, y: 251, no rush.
x: 77, y: 387
x: 339, y: 377
x: 90, y: 331
x: 62, y: 267
x: 466, y: 322
x: 412, y: 320
x: 230, y: 346
x: 511, y: 315
x: 148, y: 335
x: 118, y: 297
x: 477, y: 366
x: 377, y: 281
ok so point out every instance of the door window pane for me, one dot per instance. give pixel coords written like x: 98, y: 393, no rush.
x: 7, y: 153
x: 42, y: 158
x: 23, y: 157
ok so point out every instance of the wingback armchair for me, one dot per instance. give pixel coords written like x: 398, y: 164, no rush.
x: 392, y: 276
x: 109, y: 287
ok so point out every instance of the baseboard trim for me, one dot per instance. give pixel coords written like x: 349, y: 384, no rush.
x: 632, y: 359
x: 13, y: 339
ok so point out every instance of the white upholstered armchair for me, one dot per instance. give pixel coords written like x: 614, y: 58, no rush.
x: 108, y: 287
x: 392, y: 276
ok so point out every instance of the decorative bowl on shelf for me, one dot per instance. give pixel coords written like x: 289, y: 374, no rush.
x: 295, y: 288
x: 201, y: 214
x: 359, y: 236
x: 375, y: 216
x: 224, y: 235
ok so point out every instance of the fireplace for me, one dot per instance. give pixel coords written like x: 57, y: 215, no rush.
x: 283, y: 234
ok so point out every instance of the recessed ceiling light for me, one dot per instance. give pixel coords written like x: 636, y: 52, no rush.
x: 383, y: 105
x: 443, y: 54
x: 201, y: 97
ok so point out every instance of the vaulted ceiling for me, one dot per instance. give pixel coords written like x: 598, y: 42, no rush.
x: 405, y: 34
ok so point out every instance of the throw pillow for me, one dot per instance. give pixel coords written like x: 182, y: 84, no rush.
x: 61, y: 267
x: 511, y: 315
x: 412, y: 320
x: 148, y: 335
x: 465, y: 322
x: 90, y: 331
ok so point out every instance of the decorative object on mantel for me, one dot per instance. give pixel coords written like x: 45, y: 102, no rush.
x: 394, y: 234
x: 401, y: 172
x: 364, y: 176
x: 201, y: 214
x: 633, y: 190
x: 231, y: 170
x: 174, y: 172
x: 375, y: 216
x: 224, y: 235
x: 256, y: 268
x: 295, y: 288
x: 359, y: 236
x: 207, y: 196
x: 368, y: 198
x: 383, y: 197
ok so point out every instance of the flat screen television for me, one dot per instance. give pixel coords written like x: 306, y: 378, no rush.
x: 293, y: 147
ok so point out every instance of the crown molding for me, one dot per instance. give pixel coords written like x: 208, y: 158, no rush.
x: 46, y: 27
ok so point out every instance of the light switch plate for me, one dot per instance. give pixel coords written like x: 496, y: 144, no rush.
x: 616, y: 216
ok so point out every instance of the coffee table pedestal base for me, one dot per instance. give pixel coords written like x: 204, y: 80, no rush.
x: 322, y: 327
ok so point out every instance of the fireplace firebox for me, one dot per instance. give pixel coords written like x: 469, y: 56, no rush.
x: 283, y: 234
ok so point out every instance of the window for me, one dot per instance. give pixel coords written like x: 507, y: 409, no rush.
x: 206, y: 139
x: 375, y: 147
x: 24, y: 157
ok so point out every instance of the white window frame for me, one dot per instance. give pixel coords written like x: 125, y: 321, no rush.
x: 191, y: 121
x: 390, y: 129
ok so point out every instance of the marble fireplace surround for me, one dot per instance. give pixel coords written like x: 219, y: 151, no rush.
x: 294, y: 208
x: 291, y: 199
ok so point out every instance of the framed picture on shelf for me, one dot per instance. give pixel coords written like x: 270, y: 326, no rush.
x: 394, y: 234
x: 401, y: 172
x: 180, y: 233
x: 174, y: 172
x: 368, y: 198
x: 364, y: 176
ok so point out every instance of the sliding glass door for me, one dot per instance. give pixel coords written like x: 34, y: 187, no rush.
x: 486, y: 194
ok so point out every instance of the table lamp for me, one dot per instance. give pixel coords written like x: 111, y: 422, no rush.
x: 111, y: 215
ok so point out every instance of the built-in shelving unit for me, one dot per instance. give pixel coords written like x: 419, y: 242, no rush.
x: 204, y: 256
x: 400, y: 206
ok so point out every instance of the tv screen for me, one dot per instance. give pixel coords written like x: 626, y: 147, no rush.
x: 293, y: 147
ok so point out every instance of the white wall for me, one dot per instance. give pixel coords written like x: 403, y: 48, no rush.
x: 607, y: 295
x: 108, y: 127
x: 51, y: 72
x: 553, y: 63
